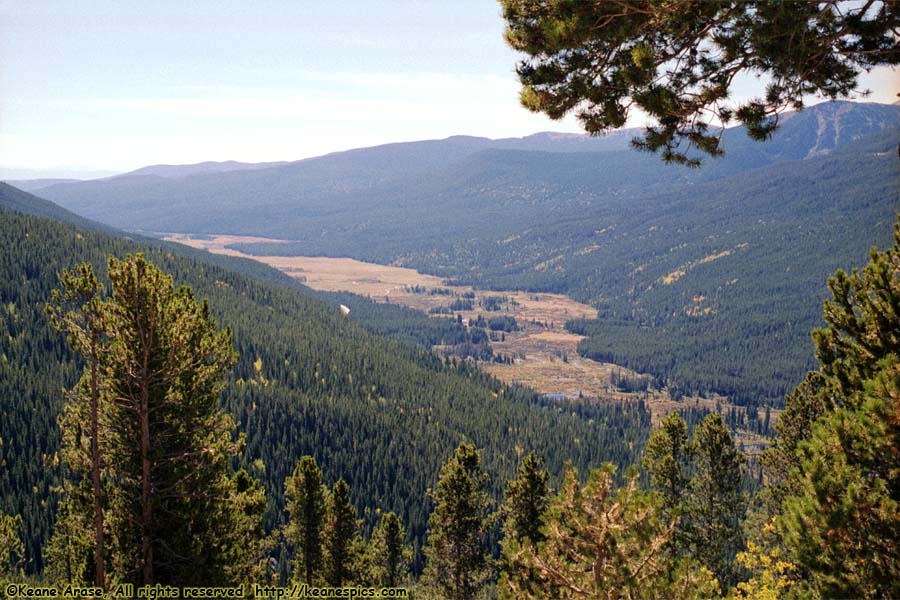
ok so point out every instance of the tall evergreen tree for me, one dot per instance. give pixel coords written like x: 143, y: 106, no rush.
x: 457, y: 557
x: 166, y: 445
x: 802, y: 407
x: 69, y: 552
x: 843, y: 522
x: 244, y: 546
x: 715, y: 505
x: 390, y: 556
x: 342, y: 543
x: 305, y: 502
x: 524, y: 508
x: 667, y: 459
x: 838, y: 459
x: 77, y: 310
x: 163, y: 374
x: 605, y: 543
x: 526, y: 500
x: 12, y: 550
x: 862, y: 318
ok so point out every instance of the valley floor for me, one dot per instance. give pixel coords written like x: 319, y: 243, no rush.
x: 542, y: 354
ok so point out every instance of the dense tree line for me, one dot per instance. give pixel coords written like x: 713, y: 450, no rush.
x: 405, y: 324
x: 374, y: 412
x: 737, y: 325
x: 148, y: 495
x: 615, y: 225
x: 824, y: 525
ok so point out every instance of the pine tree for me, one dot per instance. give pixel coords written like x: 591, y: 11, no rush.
x: 70, y: 551
x: 526, y: 500
x: 863, y: 318
x: 165, y: 445
x: 667, y: 459
x: 843, y: 523
x: 715, y: 505
x: 342, y: 543
x: 676, y: 61
x: 605, y: 543
x: 77, y: 310
x: 390, y: 557
x: 244, y: 546
x: 524, y: 507
x: 838, y: 461
x: 305, y: 501
x: 12, y: 550
x: 163, y: 374
x: 457, y: 558
x: 802, y: 407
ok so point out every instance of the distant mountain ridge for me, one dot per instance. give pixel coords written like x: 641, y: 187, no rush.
x: 246, y: 198
x: 175, y: 171
x: 31, y: 185
x: 18, y: 200
x: 724, y: 267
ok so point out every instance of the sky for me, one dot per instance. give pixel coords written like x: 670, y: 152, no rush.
x: 98, y: 87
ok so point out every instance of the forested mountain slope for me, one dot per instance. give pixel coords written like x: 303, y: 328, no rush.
x: 708, y: 278
x: 280, y: 201
x: 380, y: 414
x: 396, y: 321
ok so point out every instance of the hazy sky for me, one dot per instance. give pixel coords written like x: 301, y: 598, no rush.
x: 121, y: 84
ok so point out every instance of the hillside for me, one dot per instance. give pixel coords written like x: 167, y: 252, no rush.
x: 709, y: 279
x: 380, y: 414
x: 177, y: 171
x: 316, y: 197
x: 31, y: 185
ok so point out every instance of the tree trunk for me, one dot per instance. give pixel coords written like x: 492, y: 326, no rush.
x: 146, y: 487
x: 95, y: 466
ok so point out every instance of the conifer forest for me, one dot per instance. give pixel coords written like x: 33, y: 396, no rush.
x: 636, y: 360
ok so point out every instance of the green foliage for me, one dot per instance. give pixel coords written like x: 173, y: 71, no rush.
x: 700, y: 486
x: 504, y: 323
x: 169, y: 443
x: 78, y: 310
x: 667, y: 458
x: 406, y: 324
x: 156, y: 368
x: 843, y: 523
x: 524, y: 509
x: 715, y: 505
x: 70, y: 550
x: 12, y: 550
x: 676, y: 62
x: 863, y: 318
x: 77, y: 545
x: 377, y: 413
x: 838, y: 493
x: 458, y: 563
x: 242, y: 545
x: 802, y: 408
x: 304, y: 496
x: 389, y: 555
x: 525, y: 501
x: 343, y: 547
x: 603, y: 542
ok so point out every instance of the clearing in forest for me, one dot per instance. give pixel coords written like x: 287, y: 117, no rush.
x: 541, y: 353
